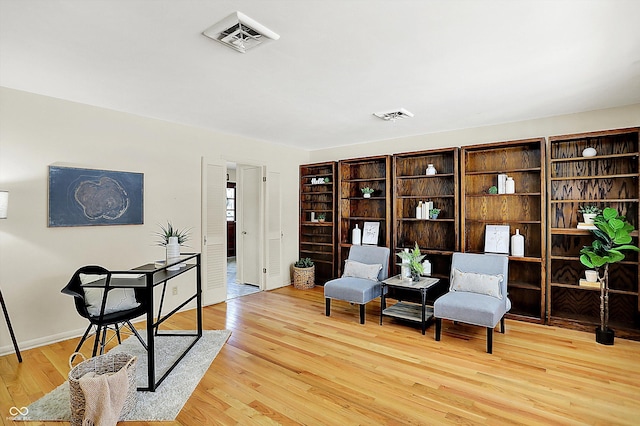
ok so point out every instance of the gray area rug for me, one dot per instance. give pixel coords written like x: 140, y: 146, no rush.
x: 166, y: 402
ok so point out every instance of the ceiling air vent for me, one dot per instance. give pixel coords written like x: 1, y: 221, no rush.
x: 240, y: 32
x: 393, y: 115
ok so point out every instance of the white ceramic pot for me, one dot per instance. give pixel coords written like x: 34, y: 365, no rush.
x: 588, y: 218
x: 367, y: 195
x: 173, y: 253
x: 591, y: 276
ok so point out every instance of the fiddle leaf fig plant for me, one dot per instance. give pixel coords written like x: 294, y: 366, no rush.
x: 612, y: 237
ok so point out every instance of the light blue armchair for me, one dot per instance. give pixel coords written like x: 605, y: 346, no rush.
x: 477, y: 294
x: 365, y: 268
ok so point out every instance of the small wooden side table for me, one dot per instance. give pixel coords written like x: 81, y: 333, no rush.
x: 406, y: 310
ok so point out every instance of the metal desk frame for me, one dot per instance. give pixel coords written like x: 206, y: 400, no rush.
x: 153, y: 277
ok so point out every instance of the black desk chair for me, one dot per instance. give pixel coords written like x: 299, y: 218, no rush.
x: 105, y: 307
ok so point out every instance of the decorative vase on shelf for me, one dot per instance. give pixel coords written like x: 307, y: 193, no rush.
x: 431, y: 170
x: 356, y: 236
x: 510, y: 186
x: 173, y: 253
x: 517, y: 244
x: 426, y: 268
x: 367, y: 195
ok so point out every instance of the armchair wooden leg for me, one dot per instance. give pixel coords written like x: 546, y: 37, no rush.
x: 327, y: 304
x: 438, y: 328
x: 489, y: 340
x: 502, y: 325
x: 362, y: 312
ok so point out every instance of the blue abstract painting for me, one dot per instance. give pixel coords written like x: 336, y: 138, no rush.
x: 85, y: 197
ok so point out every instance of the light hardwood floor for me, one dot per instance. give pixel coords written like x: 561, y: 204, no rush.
x: 286, y: 363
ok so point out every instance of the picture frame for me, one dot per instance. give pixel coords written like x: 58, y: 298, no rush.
x: 370, y: 232
x: 89, y: 197
x: 496, y: 239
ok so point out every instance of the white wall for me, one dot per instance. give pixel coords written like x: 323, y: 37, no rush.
x: 36, y: 262
x: 613, y: 118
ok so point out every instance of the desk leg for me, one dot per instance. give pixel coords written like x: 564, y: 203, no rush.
x: 199, y: 295
x: 151, y: 360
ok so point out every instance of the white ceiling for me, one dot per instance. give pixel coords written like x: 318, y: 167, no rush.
x: 453, y: 63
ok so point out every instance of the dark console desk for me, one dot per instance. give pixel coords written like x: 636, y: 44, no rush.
x: 151, y: 278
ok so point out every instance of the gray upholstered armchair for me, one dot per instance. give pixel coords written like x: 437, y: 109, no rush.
x: 365, y: 268
x: 477, y: 294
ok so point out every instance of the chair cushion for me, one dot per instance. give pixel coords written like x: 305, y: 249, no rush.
x: 471, y: 308
x: 476, y: 283
x: 118, y: 299
x: 361, y: 270
x: 354, y: 290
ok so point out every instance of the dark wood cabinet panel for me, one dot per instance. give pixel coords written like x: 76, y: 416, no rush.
x: 608, y: 179
x: 437, y: 238
x: 524, y: 210
x: 317, y: 237
x: 354, y: 209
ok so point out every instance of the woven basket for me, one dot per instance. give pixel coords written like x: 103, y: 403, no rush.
x: 102, y: 364
x: 304, y: 278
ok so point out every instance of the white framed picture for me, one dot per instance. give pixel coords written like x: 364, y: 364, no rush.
x: 496, y: 239
x: 370, y: 233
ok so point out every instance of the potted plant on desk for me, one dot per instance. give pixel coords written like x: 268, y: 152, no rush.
x: 172, y: 238
x: 612, y: 236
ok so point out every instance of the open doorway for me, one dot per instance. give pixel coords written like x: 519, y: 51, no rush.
x: 243, y: 228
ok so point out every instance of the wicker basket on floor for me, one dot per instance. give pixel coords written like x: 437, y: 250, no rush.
x: 304, y: 278
x: 102, y: 364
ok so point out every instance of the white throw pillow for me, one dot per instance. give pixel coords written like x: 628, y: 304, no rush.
x: 361, y: 270
x: 118, y: 299
x: 476, y: 283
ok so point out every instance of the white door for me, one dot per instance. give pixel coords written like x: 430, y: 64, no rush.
x: 273, y: 220
x: 214, y: 231
x: 249, y: 199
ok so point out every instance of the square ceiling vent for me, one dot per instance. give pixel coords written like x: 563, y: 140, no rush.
x: 240, y: 32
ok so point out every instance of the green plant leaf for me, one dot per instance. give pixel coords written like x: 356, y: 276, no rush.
x: 584, y: 259
x: 608, y: 213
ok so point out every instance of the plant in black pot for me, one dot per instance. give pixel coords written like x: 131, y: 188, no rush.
x: 612, y: 237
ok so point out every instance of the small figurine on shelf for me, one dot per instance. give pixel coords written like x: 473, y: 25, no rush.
x: 366, y: 192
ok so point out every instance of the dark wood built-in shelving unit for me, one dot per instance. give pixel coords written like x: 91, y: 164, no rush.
x: 609, y: 179
x: 524, y: 210
x: 353, y: 175
x: 437, y: 238
x: 318, y: 239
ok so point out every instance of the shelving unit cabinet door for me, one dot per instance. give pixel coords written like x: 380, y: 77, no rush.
x: 437, y: 238
x: 521, y: 211
x: 354, y: 209
x: 317, y: 239
x: 608, y: 179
